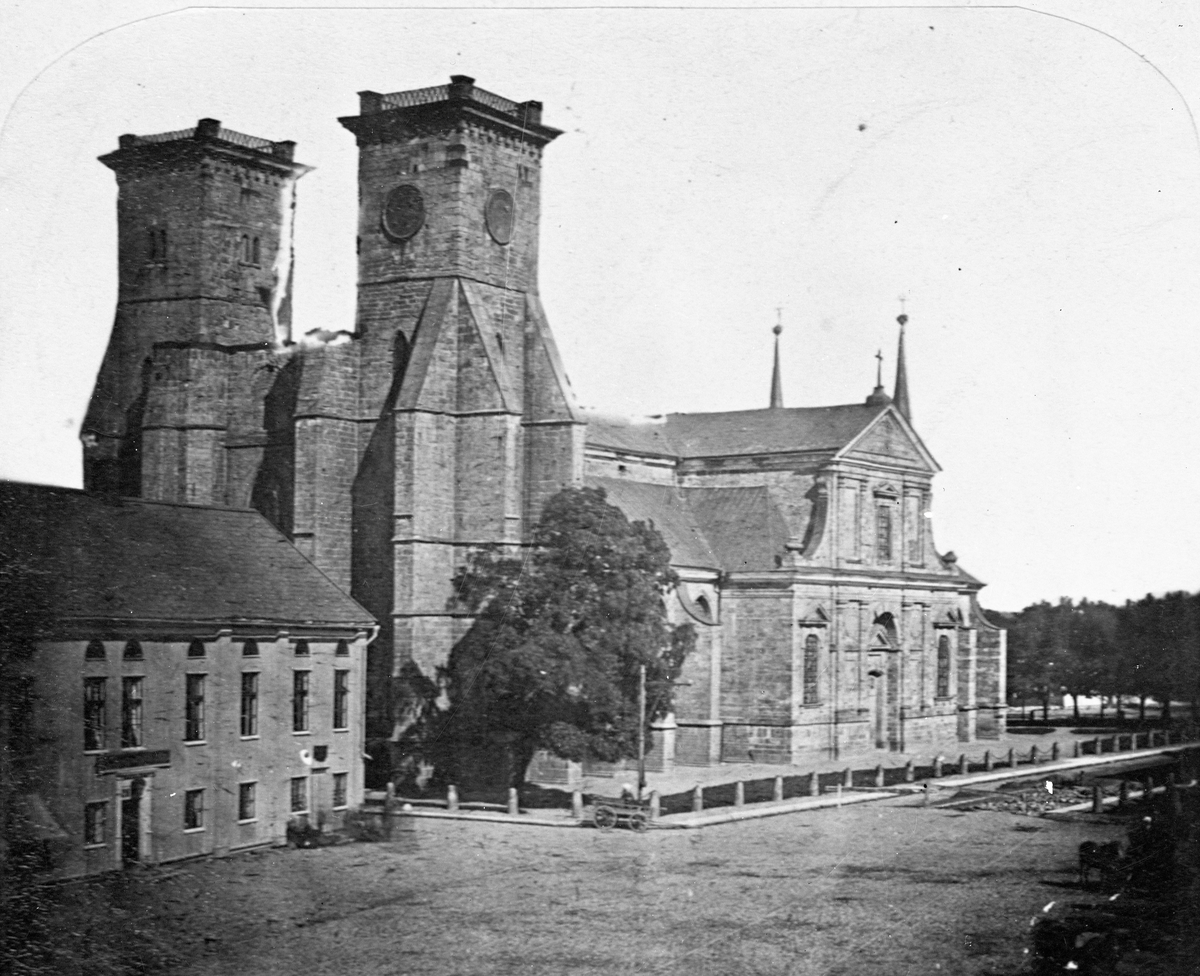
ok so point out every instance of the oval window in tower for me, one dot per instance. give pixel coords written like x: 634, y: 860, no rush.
x: 499, y: 214
x: 403, y: 212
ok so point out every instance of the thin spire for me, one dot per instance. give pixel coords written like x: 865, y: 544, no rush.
x: 776, y: 381
x: 900, y: 394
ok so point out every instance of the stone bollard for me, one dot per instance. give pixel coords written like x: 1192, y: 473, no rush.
x: 1012, y: 759
x: 577, y: 804
x: 1097, y: 798
x: 964, y: 766
x: 1077, y: 749
x: 847, y: 777
x: 910, y: 773
x: 814, y: 784
x: 1033, y: 755
x: 777, y: 791
x: 389, y: 801
x: 1054, y: 752
x: 937, y: 767
x: 1096, y: 746
x: 1123, y: 796
x: 879, y: 775
x: 987, y: 760
x: 452, y: 798
x: 739, y: 794
x: 697, y: 799
x: 655, y: 805
x: 514, y: 803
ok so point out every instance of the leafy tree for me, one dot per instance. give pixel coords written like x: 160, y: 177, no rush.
x: 552, y: 660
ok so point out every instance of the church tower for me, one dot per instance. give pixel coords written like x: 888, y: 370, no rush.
x: 204, y: 224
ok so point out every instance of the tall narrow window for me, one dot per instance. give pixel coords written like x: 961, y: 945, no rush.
x: 883, y: 533
x: 254, y: 252
x: 131, y: 713
x: 246, y: 799
x: 340, y: 782
x: 250, y: 703
x: 193, y: 809
x: 341, y: 699
x: 300, y: 700
x: 812, y: 647
x: 943, y: 667
x: 94, y: 719
x: 95, y: 824
x: 299, y: 794
x: 193, y: 719
x: 245, y: 248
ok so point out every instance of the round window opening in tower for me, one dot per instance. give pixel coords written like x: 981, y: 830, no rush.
x: 403, y: 212
x: 499, y: 214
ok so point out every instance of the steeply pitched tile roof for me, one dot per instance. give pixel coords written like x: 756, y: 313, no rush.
x: 737, y: 432
x: 130, y: 560
x: 730, y: 529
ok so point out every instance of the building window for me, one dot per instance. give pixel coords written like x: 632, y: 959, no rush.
x: 343, y: 649
x: 302, y: 649
x: 131, y: 713
x: 245, y: 248
x: 299, y: 794
x: 254, y: 252
x: 250, y: 649
x: 193, y: 810
x: 883, y: 533
x: 95, y: 651
x: 94, y: 718
x: 340, y: 784
x: 300, y: 700
x: 196, y: 649
x: 246, y: 801
x: 193, y: 724
x: 812, y: 647
x: 250, y: 703
x: 95, y: 824
x: 133, y: 651
x: 158, y: 245
x: 341, y: 699
x: 943, y: 667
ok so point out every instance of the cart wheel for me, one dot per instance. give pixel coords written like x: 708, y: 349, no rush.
x: 639, y: 821
x: 605, y: 818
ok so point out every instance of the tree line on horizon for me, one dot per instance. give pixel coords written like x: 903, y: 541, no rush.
x: 1146, y: 650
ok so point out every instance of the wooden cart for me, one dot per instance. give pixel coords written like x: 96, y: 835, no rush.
x: 609, y: 812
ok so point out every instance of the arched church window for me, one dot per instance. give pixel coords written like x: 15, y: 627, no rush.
x: 812, y: 648
x: 246, y: 248
x: 943, y: 667
x: 133, y: 651
x: 95, y: 651
x: 254, y: 252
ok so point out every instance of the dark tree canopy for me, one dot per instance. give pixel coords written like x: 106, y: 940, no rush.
x: 552, y: 660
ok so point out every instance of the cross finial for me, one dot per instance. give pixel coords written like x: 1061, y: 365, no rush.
x: 879, y: 368
x: 778, y: 320
x: 903, y: 316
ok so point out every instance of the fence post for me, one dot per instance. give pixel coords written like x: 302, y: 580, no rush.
x: 389, y: 799
x: 910, y: 773
x: 577, y: 804
x: 739, y: 794
x: 963, y: 765
x: 777, y: 792
x: 452, y: 798
x: 1077, y: 749
x: 847, y: 777
x: 1096, y: 746
x: 655, y: 805
x: 514, y: 804
x: 1097, y: 798
x: 937, y: 766
x: 1033, y: 754
x: 697, y: 799
x: 1123, y: 795
x: 814, y: 784
x: 1012, y: 759
x: 879, y: 775
x: 1053, y: 751
x: 987, y: 760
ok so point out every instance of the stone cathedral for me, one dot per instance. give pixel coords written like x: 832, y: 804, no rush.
x: 442, y: 419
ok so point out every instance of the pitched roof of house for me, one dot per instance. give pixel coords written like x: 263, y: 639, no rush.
x: 136, y: 561
x: 738, y: 432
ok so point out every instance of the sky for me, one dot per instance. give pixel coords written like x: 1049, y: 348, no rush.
x: 1027, y: 178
